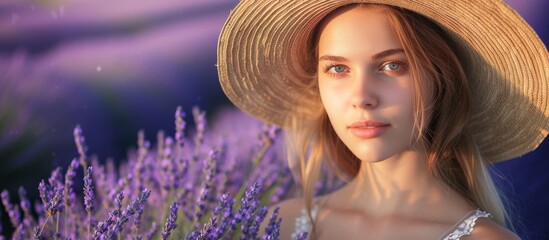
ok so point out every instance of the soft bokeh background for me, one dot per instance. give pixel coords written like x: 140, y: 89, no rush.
x: 115, y: 67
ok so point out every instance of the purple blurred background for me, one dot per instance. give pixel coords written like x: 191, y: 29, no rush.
x: 115, y: 67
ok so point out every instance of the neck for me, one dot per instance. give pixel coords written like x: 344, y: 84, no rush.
x: 400, y: 183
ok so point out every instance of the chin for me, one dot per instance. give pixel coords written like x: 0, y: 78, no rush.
x: 374, y: 154
x: 370, y: 157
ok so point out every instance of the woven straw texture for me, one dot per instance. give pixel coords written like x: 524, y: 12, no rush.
x: 506, y: 62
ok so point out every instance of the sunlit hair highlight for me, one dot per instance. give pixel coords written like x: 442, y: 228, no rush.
x: 442, y: 108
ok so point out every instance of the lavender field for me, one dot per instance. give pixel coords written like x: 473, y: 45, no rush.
x: 110, y: 75
x: 213, y: 184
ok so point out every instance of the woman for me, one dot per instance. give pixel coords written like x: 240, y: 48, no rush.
x: 407, y: 100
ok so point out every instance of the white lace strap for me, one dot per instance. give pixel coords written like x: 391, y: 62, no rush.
x: 466, y: 226
x: 303, y: 223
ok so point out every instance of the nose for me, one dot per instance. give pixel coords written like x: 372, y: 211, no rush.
x: 364, y: 92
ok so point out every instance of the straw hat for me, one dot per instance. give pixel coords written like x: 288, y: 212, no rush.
x: 507, y: 63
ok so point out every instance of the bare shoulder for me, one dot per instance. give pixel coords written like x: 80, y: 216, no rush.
x: 288, y: 211
x: 486, y: 228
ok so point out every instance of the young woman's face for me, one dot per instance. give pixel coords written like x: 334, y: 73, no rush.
x: 365, y: 84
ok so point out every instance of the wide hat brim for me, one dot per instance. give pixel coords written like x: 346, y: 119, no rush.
x: 506, y: 62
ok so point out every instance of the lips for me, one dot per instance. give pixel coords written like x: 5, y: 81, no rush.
x: 368, y: 129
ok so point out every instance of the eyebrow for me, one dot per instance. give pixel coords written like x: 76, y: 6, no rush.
x: 376, y: 56
x: 388, y: 52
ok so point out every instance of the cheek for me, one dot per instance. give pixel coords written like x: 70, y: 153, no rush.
x: 331, y: 105
x: 332, y: 94
x: 326, y: 97
x: 405, y: 100
x: 404, y: 96
x: 400, y: 105
x: 407, y: 111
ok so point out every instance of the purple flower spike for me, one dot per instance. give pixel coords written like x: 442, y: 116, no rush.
x: 170, y: 221
x: 209, y: 228
x: 118, y: 202
x: 269, y: 134
x: 226, y: 204
x: 13, y: 211
x: 88, y: 191
x: 128, y: 213
x: 185, y: 175
x: 70, y: 196
x: 137, y: 221
x: 24, y: 202
x: 254, y: 228
x: 55, y: 178
x: 103, y: 226
x: 302, y: 236
x: 179, y: 126
x: 246, y: 210
x: 43, y: 191
x: 80, y: 144
x: 55, y: 205
x: 273, y: 228
x: 200, y: 121
x: 18, y: 234
x: 37, y: 234
x: 209, y: 171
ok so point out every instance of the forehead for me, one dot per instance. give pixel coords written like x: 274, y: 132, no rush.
x: 358, y: 29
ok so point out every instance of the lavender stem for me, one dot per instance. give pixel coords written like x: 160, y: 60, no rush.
x: 43, y: 225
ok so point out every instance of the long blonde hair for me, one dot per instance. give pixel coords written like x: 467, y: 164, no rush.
x: 453, y: 156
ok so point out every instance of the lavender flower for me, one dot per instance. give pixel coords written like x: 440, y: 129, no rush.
x: 259, y: 216
x: 55, y: 205
x: 103, y: 226
x: 43, y: 191
x: 128, y: 213
x: 224, y: 212
x: 122, y: 184
x: 101, y: 183
x: 70, y: 196
x: 88, y: 191
x: 179, y: 126
x: 118, y: 203
x: 272, y: 229
x: 139, y: 167
x: 170, y: 221
x: 171, y: 172
x: 206, y: 186
x: 200, y: 121
x: 208, y: 229
x: 137, y: 221
x: 168, y: 167
x: 52, y: 195
x: 25, y: 203
x: 13, y: 211
x: 80, y: 142
x: 249, y: 203
x: 55, y: 178
x: 37, y: 233
x: 302, y: 236
x: 18, y: 234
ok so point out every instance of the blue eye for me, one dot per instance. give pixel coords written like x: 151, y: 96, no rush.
x: 338, y: 69
x: 393, y: 66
